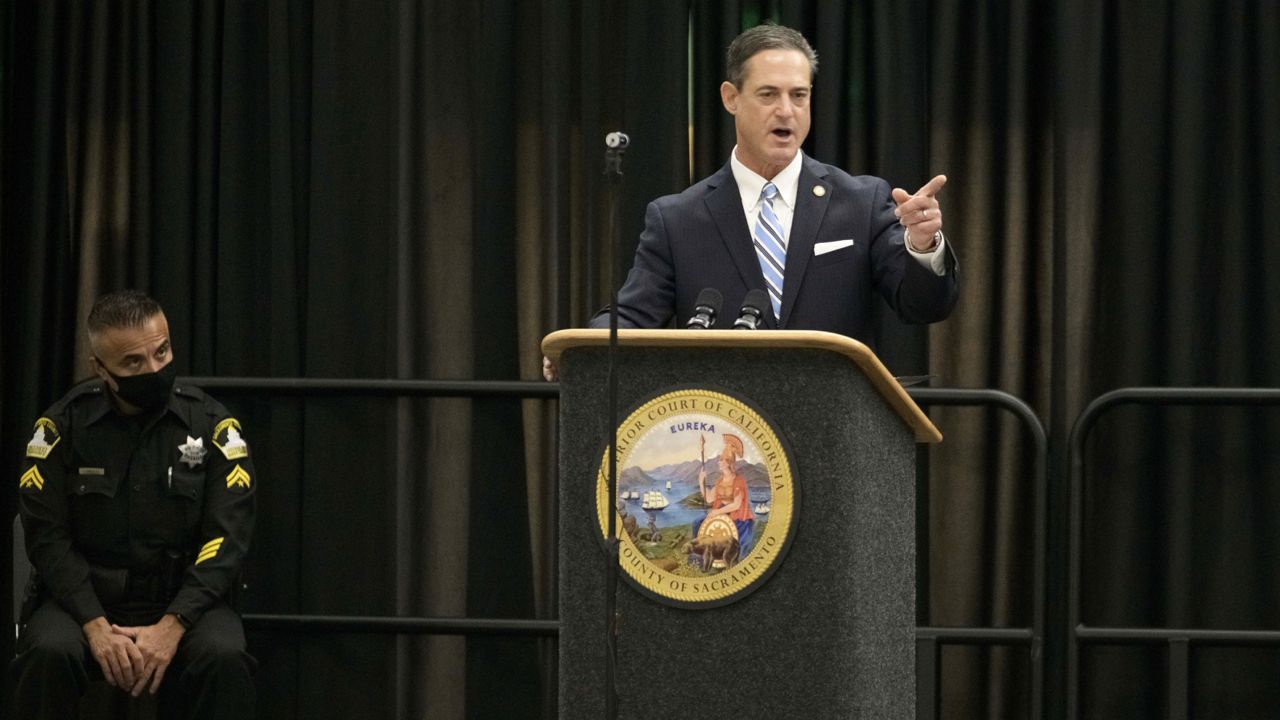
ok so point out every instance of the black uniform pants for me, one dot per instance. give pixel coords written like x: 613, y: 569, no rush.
x: 210, y: 676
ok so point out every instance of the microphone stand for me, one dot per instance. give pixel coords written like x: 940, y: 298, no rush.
x: 615, y: 145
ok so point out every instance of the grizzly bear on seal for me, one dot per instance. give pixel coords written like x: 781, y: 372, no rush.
x: 717, y: 552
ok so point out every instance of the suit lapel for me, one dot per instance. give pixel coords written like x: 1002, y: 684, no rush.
x: 810, y: 209
x: 725, y: 205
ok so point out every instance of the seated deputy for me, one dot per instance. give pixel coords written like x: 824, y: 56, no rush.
x: 137, y: 499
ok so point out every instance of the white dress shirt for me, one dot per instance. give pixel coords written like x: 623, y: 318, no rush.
x: 787, y: 181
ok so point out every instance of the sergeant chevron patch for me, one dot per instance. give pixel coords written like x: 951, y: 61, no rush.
x: 32, y: 478
x: 238, y: 477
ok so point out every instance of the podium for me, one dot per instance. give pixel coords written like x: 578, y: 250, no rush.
x: 825, y: 627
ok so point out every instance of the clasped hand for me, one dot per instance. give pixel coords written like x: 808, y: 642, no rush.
x: 132, y: 657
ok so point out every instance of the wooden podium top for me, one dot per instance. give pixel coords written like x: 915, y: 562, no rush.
x: 557, y: 342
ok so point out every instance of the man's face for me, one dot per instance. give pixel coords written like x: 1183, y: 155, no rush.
x: 771, y: 110
x: 131, y: 351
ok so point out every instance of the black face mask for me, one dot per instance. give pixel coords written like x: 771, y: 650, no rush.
x: 149, y: 391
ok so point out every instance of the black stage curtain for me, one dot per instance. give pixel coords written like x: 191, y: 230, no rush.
x: 413, y: 189
x: 1170, y: 166
x: 321, y: 189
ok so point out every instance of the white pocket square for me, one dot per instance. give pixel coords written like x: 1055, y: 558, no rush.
x: 823, y: 248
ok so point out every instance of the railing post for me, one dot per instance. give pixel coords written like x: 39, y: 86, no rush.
x: 1179, y: 688
x: 928, y: 667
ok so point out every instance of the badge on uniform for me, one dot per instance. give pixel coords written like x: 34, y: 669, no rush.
x: 193, y: 451
x: 227, y: 438
x: 238, y: 478
x: 43, y: 439
x: 209, y: 551
x: 32, y: 478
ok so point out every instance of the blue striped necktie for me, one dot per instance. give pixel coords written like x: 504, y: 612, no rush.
x: 771, y: 247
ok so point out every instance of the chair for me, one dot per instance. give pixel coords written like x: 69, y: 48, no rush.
x: 21, y: 573
x: 100, y: 700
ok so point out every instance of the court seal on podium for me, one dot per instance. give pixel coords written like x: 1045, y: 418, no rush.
x: 707, y: 498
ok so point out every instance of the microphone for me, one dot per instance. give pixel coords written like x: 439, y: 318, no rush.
x: 706, y: 309
x: 752, y: 314
x: 615, y: 145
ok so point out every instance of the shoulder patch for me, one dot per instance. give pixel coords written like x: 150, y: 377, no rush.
x: 43, y: 439
x: 227, y: 438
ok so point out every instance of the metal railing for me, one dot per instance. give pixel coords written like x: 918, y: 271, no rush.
x: 1178, y: 641
x: 404, y: 625
x: 382, y: 388
x: 338, y: 387
x: 930, y: 640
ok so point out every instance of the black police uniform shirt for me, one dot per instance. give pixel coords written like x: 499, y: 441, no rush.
x: 167, y: 492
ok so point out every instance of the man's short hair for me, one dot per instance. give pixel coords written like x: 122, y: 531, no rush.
x: 122, y: 309
x: 761, y: 38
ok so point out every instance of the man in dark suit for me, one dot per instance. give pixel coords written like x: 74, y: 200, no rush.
x: 817, y: 239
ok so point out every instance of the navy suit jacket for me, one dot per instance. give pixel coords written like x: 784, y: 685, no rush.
x: 699, y: 239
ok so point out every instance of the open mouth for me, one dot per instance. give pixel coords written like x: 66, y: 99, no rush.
x: 781, y: 133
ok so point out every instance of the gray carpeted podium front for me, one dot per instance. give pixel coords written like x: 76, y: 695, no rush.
x: 831, y: 633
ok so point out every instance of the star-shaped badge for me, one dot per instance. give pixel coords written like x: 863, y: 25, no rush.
x: 193, y: 451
